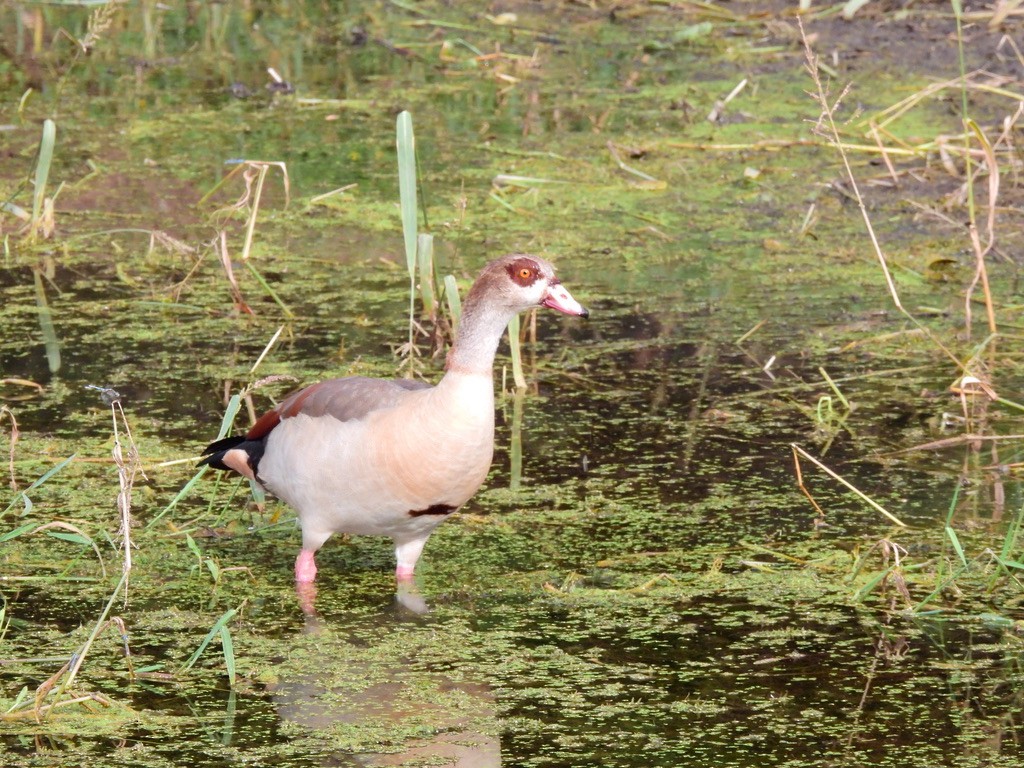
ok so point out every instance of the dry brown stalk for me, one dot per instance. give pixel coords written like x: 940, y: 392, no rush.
x: 885, y: 156
x: 798, y: 451
x: 59, y: 683
x: 990, y: 226
x: 236, y: 291
x: 826, y: 126
x: 767, y: 145
x: 979, y: 80
x: 827, y: 117
x: 99, y: 22
x: 128, y: 467
x: 958, y: 440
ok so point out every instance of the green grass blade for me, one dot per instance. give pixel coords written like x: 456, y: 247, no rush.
x: 1007, y: 554
x: 213, y: 568
x: 406, y: 142
x: 955, y: 540
x: 1012, y: 534
x: 101, y: 622
x: 228, y: 648
x: 51, y: 472
x: 941, y: 587
x: 234, y: 405
x: 38, y: 482
x: 958, y: 12
x: 425, y: 257
x: 451, y: 295
x: 873, y: 582
x: 239, y: 167
x: 46, y: 146
x: 258, y: 494
x: 214, y: 632
x: 21, y: 698
x: 501, y: 201
x: 185, y: 489
x: 73, y: 538
x: 832, y: 385
x: 941, y: 568
x: 270, y: 291
x: 19, y: 531
x: 193, y: 547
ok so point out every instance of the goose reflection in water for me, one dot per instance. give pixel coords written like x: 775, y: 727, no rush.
x: 349, y: 691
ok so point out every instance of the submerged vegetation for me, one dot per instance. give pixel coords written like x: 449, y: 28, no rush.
x: 763, y: 507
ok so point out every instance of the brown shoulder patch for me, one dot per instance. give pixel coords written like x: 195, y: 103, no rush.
x: 264, y: 424
x: 290, y: 406
x: 293, y: 405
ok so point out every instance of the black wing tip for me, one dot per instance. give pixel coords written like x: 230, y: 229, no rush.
x: 213, y: 455
x: 224, y: 444
x: 214, y: 452
x: 213, y: 460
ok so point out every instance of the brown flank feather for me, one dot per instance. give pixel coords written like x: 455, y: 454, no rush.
x: 433, y: 509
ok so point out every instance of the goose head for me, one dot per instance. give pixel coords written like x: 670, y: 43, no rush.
x: 520, y: 281
x: 506, y: 286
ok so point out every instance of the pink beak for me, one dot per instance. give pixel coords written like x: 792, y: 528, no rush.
x: 559, y: 298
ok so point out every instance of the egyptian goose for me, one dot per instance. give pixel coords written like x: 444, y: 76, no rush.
x: 394, y: 457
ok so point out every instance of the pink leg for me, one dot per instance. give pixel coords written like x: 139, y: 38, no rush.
x: 306, y: 592
x: 407, y: 553
x: 305, y: 567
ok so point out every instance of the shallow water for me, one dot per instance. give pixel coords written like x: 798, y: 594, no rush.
x: 645, y: 585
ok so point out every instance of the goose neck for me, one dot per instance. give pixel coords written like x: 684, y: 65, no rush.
x: 477, y: 338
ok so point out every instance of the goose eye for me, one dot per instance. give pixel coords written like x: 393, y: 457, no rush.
x: 525, y: 273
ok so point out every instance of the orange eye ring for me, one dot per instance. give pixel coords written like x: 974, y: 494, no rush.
x: 525, y: 273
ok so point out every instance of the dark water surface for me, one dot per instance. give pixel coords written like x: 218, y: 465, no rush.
x: 641, y: 582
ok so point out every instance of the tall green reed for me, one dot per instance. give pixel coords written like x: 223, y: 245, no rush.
x: 419, y: 257
x: 406, y: 143
x: 40, y: 204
